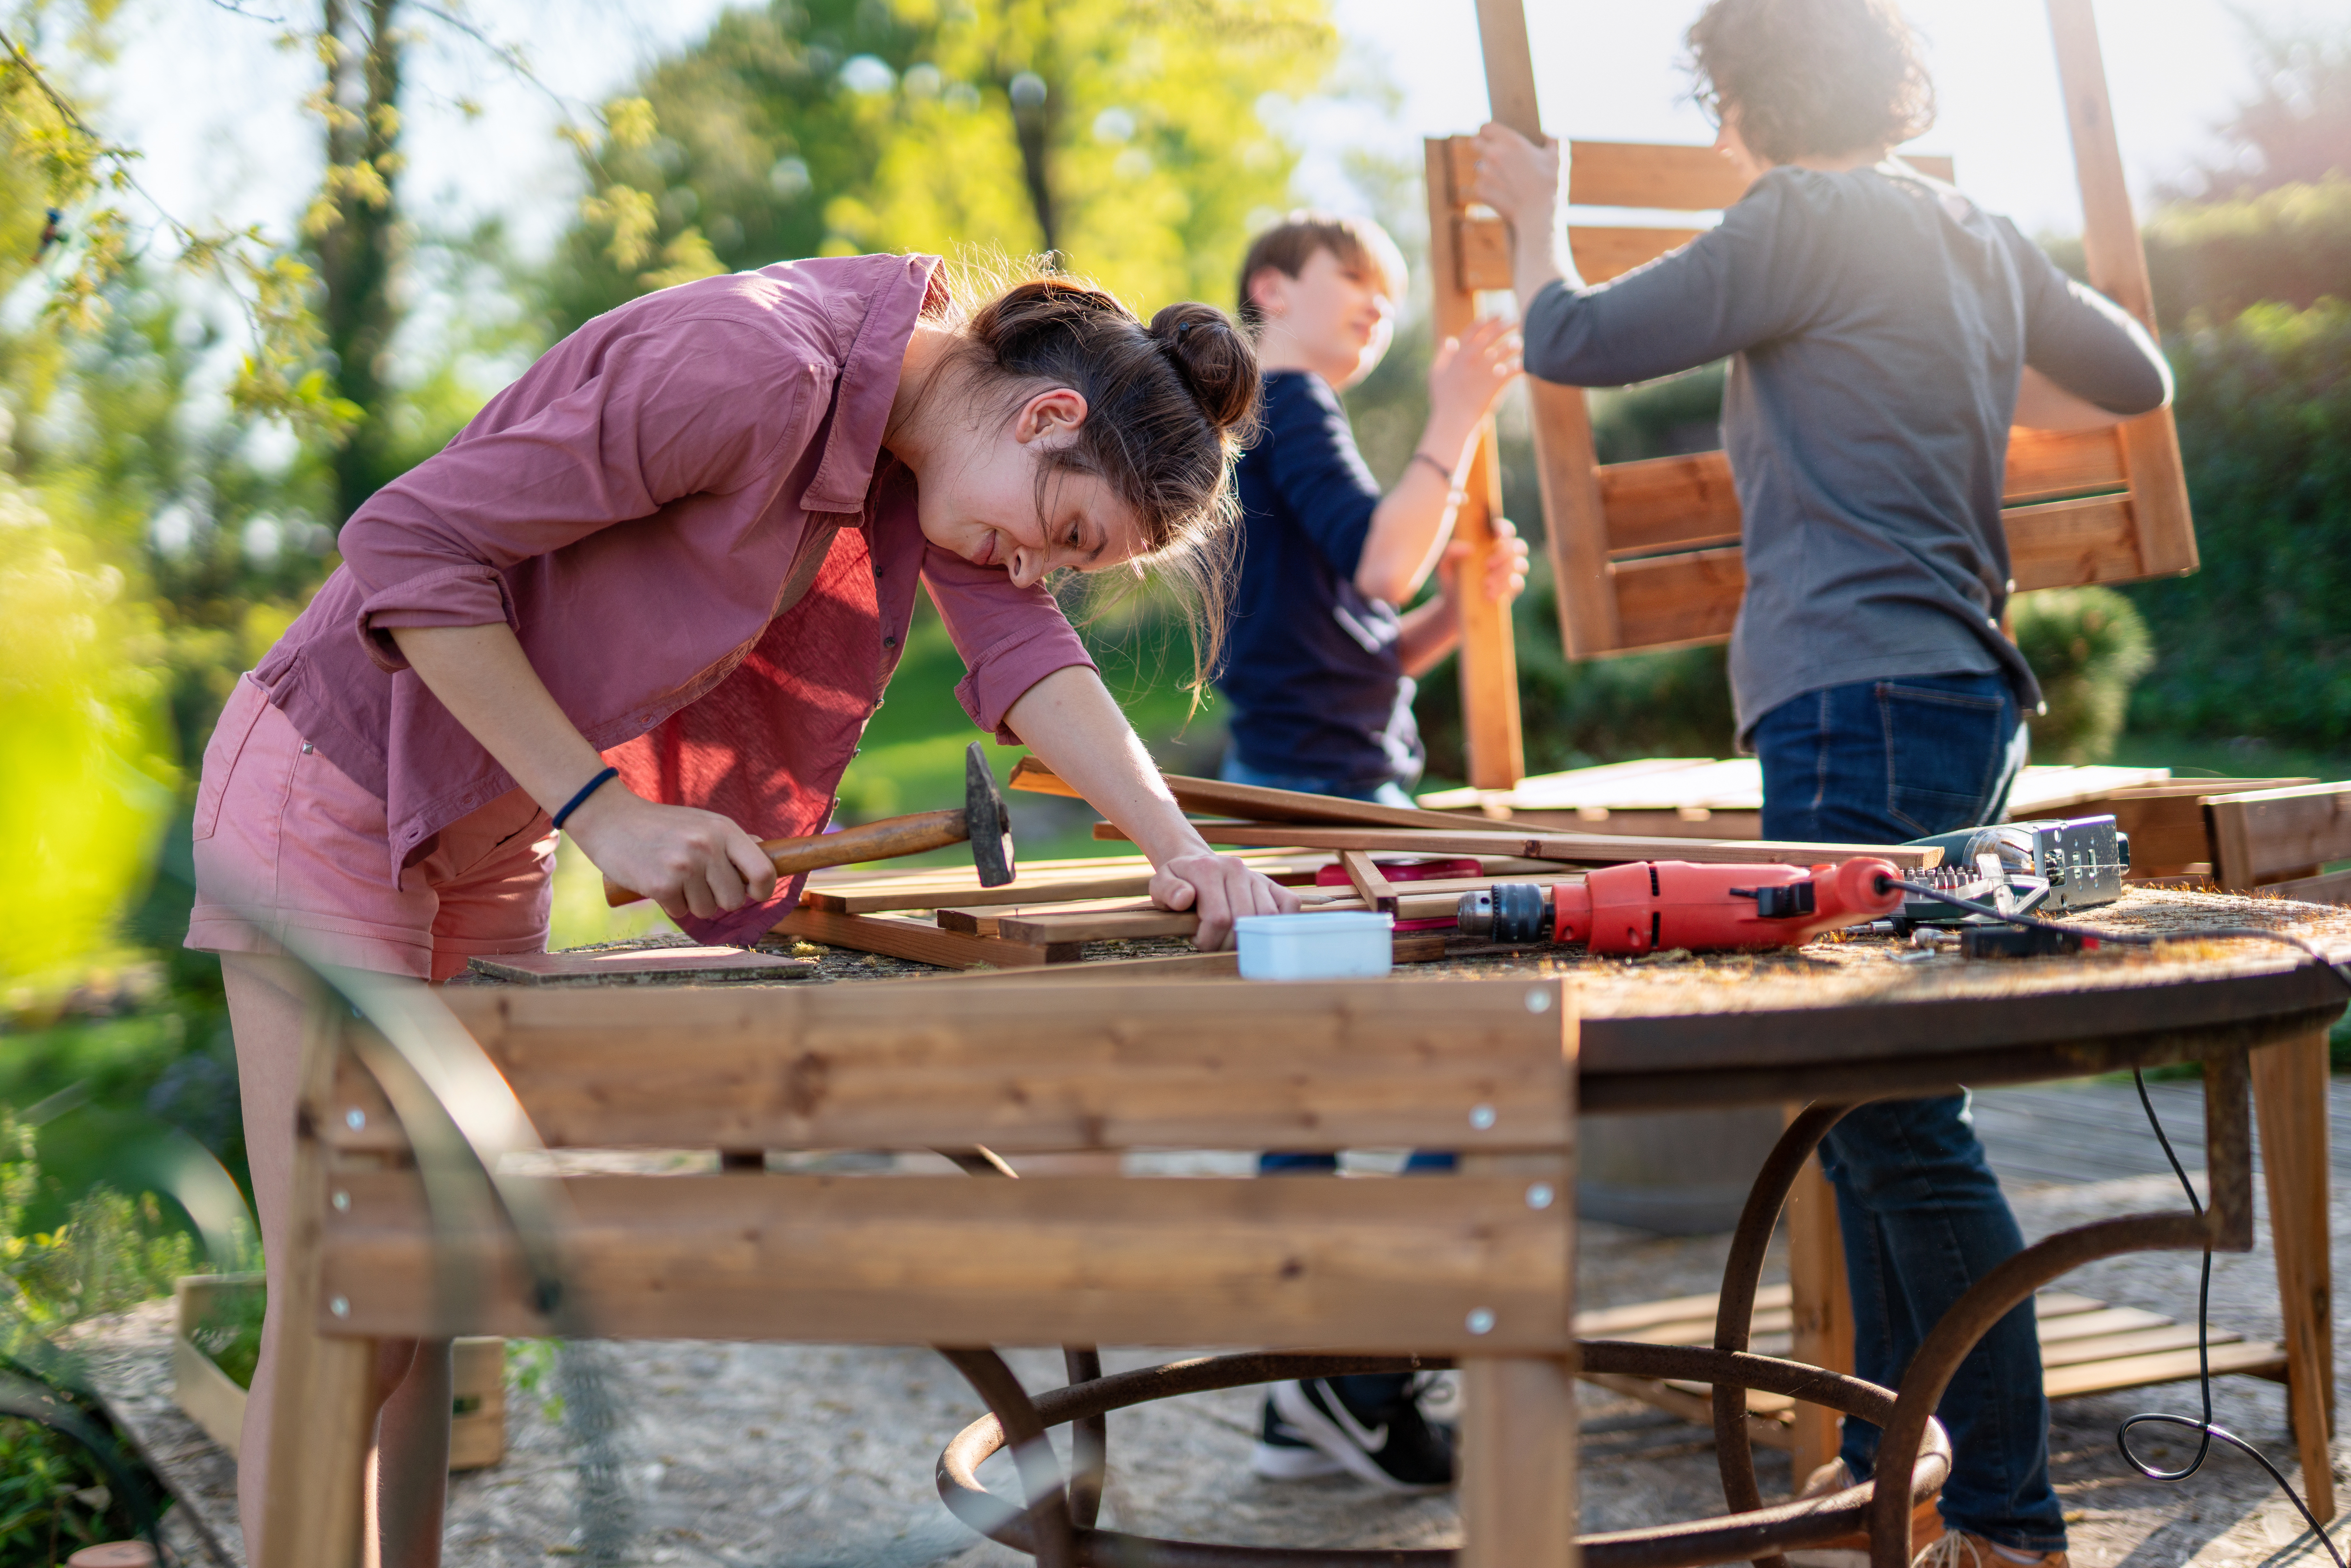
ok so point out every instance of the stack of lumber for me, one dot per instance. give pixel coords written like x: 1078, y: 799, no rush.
x: 1383, y: 857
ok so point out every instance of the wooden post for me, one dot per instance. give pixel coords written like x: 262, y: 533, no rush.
x: 2117, y: 266
x: 2290, y: 1098
x: 1489, y: 659
x: 1517, y: 1463
x: 1822, y: 1308
x: 322, y: 1426
x: 1566, y: 461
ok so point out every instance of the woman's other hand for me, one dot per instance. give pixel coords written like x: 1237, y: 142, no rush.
x: 1221, y: 890
x: 687, y: 861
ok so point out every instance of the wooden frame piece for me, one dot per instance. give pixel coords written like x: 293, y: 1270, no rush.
x: 1566, y: 849
x: 2278, y: 835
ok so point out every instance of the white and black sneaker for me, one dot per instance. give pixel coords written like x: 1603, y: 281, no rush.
x: 1284, y: 1453
x: 1372, y: 1427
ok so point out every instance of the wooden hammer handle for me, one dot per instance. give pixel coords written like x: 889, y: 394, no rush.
x: 874, y: 841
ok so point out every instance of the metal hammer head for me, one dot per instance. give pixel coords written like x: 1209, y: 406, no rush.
x: 991, y: 826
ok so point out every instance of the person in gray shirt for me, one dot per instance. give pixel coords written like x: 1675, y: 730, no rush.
x: 1884, y: 332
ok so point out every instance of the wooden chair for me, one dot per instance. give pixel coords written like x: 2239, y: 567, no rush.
x: 1647, y: 554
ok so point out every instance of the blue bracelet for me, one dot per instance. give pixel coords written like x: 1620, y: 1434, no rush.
x: 585, y: 790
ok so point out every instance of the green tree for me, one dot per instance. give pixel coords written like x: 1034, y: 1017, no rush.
x: 1126, y: 137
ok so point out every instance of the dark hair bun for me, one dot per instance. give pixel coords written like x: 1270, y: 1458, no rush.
x: 1217, y: 363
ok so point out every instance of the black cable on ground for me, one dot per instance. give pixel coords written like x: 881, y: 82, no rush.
x: 2207, y: 1433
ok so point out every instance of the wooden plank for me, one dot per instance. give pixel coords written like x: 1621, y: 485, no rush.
x: 1518, y: 1459
x: 638, y: 966
x: 1133, y: 884
x: 1567, y: 465
x: 1224, y: 966
x: 1698, y: 1409
x: 1820, y: 1309
x: 322, y: 1416
x: 1251, y: 800
x: 918, y: 941
x: 1605, y: 251
x: 1627, y: 1322
x: 1374, y: 889
x: 2110, y: 1347
x: 2117, y: 262
x: 1151, y: 1063
x: 2260, y: 834
x: 1675, y: 600
x: 2105, y: 1321
x: 1573, y: 849
x: 2049, y: 465
x: 1043, y: 929
x: 2334, y: 887
x: 906, y: 1260
x: 1677, y: 178
x: 2290, y: 1096
x: 2254, y: 1357
x: 2062, y: 544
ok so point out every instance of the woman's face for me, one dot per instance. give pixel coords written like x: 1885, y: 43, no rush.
x: 980, y: 498
x: 1733, y: 147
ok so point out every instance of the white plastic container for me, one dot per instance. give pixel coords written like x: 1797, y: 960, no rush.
x: 1347, y: 945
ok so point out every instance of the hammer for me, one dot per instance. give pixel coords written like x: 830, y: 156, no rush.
x: 980, y: 819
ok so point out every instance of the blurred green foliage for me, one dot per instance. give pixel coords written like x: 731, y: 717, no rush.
x: 2089, y: 647
x: 1131, y: 139
x: 2259, y: 642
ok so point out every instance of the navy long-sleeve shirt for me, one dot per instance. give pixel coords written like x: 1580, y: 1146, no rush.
x: 1878, y: 323
x: 1312, y: 666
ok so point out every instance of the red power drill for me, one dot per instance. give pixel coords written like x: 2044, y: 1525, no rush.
x: 1652, y: 906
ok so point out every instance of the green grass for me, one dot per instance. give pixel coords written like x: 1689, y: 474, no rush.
x: 2245, y: 757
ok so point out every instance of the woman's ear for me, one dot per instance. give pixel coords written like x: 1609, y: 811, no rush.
x: 1050, y: 417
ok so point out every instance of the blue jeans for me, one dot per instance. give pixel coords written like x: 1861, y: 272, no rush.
x: 1921, y: 1213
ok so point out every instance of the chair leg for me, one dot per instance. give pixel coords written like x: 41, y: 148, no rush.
x: 1821, y: 1309
x: 2290, y: 1097
x: 1517, y: 1463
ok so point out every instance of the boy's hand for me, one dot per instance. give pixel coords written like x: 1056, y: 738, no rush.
x: 1524, y: 182
x: 1469, y: 373
x: 1506, y: 565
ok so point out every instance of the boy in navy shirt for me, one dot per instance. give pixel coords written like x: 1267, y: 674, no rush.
x: 1321, y: 660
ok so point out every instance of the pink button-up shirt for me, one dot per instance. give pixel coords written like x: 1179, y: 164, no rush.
x: 684, y: 511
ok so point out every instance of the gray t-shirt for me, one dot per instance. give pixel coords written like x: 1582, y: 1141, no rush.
x: 1878, y: 323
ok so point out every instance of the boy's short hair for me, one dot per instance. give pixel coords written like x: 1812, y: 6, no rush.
x: 1290, y: 244
x: 1812, y: 78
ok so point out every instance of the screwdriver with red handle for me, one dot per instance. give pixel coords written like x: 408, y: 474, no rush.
x: 1655, y: 906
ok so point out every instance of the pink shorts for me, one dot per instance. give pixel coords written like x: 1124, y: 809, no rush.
x: 291, y: 853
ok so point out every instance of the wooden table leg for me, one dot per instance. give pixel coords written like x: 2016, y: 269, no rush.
x: 1822, y: 1308
x: 323, y: 1423
x: 1517, y: 1463
x: 2290, y: 1098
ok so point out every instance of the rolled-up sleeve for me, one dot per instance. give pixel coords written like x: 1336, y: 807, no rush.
x: 695, y: 407
x: 1010, y: 637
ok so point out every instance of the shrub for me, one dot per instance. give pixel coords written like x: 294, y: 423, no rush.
x: 2088, y: 647
x: 2259, y: 640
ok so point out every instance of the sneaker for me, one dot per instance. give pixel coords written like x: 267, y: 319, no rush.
x: 1390, y: 1445
x: 1852, y: 1551
x: 1284, y: 1453
x: 1958, y: 1549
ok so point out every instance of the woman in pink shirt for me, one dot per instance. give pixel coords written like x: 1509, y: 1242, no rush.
x: 650, y: 595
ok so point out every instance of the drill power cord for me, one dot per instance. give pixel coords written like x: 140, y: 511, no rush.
x: 2206, y: 1431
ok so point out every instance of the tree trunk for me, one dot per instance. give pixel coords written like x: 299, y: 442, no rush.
x: 357, y: 250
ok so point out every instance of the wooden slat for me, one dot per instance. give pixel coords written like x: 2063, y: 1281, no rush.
x: 1483, y: 246
x: 2106, y: 1320
x: 1253, y: 802
x: 945, y: 1065
x: 1567, y: 465
x: 2255, y: 1357
x: 1665, y: 602
x: 917, y: 940
x: 2289, y: 1095
x: 2062, y: 544
x: 1697, y: 1408
x: 1572, y: 849
x: 1668, y: 177
x: 1133, y: 884
x: 1517, y: 1465
x: 1602, y: 252
x: 2141, y: 1341
x: 2049, y: 465
x: 904, y: 1260
x: 2260, y: 834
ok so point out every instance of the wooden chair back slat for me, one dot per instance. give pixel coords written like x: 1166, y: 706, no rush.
x: 2082, y: 507
x: 1022, y: 1066
x: 2275, y: 835
x: 1379, y: 1266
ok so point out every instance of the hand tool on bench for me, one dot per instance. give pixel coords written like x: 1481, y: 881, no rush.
x: 981, y: 818
x: 1650, y: 906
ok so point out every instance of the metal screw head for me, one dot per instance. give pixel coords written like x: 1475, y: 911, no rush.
x: 355, y: 1119
x: 1538, y: 1000
x: 1481, y: 1116
x: 1538, y: 1196
x: 1481, y: 1320
x: 343, y: 1202
x: 341, y: 1306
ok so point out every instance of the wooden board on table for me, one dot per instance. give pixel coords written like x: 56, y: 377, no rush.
x: 1389, y: 1266
x: 1024, y: 1065
x: 917, y: 940
x: 1038, y: 882
x: 1571, y: 849
x: 1250, y: 800
x: 640, y: 966
x: 2269, y: 835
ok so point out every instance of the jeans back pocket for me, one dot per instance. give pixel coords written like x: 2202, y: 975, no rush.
x: 1946, y: 748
